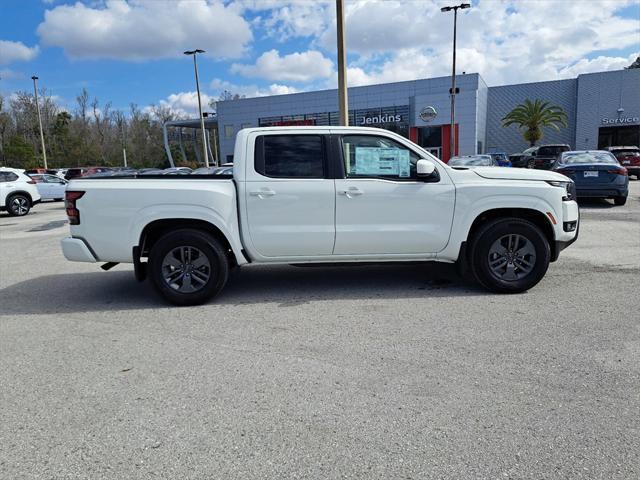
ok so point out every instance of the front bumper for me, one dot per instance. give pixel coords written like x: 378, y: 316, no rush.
x: 570, y: 214
x: 76, y: 250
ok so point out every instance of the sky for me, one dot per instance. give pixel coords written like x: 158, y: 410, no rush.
x: 130, y: 51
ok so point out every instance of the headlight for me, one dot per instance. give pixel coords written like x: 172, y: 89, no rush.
x: 569, y: 188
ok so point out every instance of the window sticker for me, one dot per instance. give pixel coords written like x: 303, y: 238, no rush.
x: 382, y: 161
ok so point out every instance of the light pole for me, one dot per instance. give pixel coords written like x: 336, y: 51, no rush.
x: 35, y: 91
x: 204, y: 134
x: 342, y: 66
x: 452, y: 133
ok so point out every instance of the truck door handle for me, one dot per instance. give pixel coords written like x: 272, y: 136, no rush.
x: 262, y: 193
x: 351, y: 192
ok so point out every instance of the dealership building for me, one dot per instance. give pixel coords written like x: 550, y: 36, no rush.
x: 603, y: 110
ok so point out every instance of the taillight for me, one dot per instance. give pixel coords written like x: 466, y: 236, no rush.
x: 619, y: 171
x: 566, y: 171
x: 70, y: 198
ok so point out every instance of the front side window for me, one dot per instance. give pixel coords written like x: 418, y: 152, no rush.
x: 368, y: 156
x: 290, y: 156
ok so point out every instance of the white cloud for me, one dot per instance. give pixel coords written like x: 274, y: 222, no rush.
x: 506, y: 41
x: 295, y: 67
x: 219, y: 86
x: 146, y: 29
x: 7, y: 74
x: 16, y: 51
x: 184, y: 104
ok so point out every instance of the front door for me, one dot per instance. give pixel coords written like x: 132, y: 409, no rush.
x: 290, y: 204
x: 382, y: 208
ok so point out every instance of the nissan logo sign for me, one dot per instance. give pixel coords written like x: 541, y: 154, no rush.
x: 428, y: 113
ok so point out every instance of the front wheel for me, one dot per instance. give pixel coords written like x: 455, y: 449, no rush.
x: 188, y: 267
x: 620, y: 201
x: 510, y: 255
x: 531, y: 164
x: 18, y: 205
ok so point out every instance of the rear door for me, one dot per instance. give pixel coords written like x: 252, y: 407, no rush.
x: 382, y: 208
x: 290, y: 202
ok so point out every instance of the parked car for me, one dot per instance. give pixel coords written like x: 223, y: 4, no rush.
x: 18, y: 192
x: 629, y: 158
x: 596, y: 173
x: 34, y: 171
x: 50, y: 187
x: 473, y: 161
x: 84, y: 172
x: 547, y: 155
x: 177, y: 171
x: 501, y: 159
x: 524, y: 159
x: 373, y: 196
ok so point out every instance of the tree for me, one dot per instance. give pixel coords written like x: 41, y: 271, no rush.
x: 635, y: 64
x: 532, y: 117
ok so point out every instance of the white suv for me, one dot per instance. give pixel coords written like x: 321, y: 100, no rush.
x: 18, y: 192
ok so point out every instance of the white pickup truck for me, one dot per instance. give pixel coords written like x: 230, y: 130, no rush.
x: 323, y: 195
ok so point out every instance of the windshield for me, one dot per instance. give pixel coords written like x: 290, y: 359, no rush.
x: 470, y: 161
x: 588, y: 157
x: 555, y: 150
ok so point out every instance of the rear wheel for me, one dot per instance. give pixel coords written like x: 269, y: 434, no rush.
x: 510, y: 255
x: 188, y: 267
x: 620, y: 200
x: 18, y: 205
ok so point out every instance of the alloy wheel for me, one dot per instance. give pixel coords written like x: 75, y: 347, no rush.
x: 186, y: 269
x: 512, y: 257
x: 20, y: 206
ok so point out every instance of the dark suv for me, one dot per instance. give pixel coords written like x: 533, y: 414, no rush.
x: 547, y: 155
x: 629, y: 158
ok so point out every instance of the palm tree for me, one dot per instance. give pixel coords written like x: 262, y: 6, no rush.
x: 532, y: 117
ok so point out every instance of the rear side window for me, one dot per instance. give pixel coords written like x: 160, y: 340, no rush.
x: 290, y: 156
x: 8, y: 177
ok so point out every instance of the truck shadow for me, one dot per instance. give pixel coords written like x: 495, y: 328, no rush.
x: 286, y: 285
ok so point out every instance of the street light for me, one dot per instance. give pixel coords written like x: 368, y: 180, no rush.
x: 35, y: 91
x: 452, y: 141
x: 204, y: 135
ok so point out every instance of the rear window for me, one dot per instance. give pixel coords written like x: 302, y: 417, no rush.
x: 588, y: 157
x: 290, y: 156
x: 551, y: 151
x: 628, y: 152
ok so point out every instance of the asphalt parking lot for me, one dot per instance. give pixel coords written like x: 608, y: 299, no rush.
x: 367, y: 372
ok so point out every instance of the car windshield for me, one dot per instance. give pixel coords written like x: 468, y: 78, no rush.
x: 470, y: 161
x: 551, y: 150
x: 530, y: 150
x: 588, y: 157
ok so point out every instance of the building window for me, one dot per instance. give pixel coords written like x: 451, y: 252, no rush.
x: 228, y: 131
x: 246, y: 125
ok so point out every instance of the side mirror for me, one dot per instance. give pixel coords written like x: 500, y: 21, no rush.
x: 425, y: 168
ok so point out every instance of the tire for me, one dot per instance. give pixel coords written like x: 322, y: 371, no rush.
x: 531, y: 163
x: 620, y: 201
x: 188, y: 267
x: 18, y: 205
x: 510, y: 255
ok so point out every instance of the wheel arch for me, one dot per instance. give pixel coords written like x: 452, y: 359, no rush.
x: 534, y: 216
x: 18, y: 192
x: 154, y: 230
